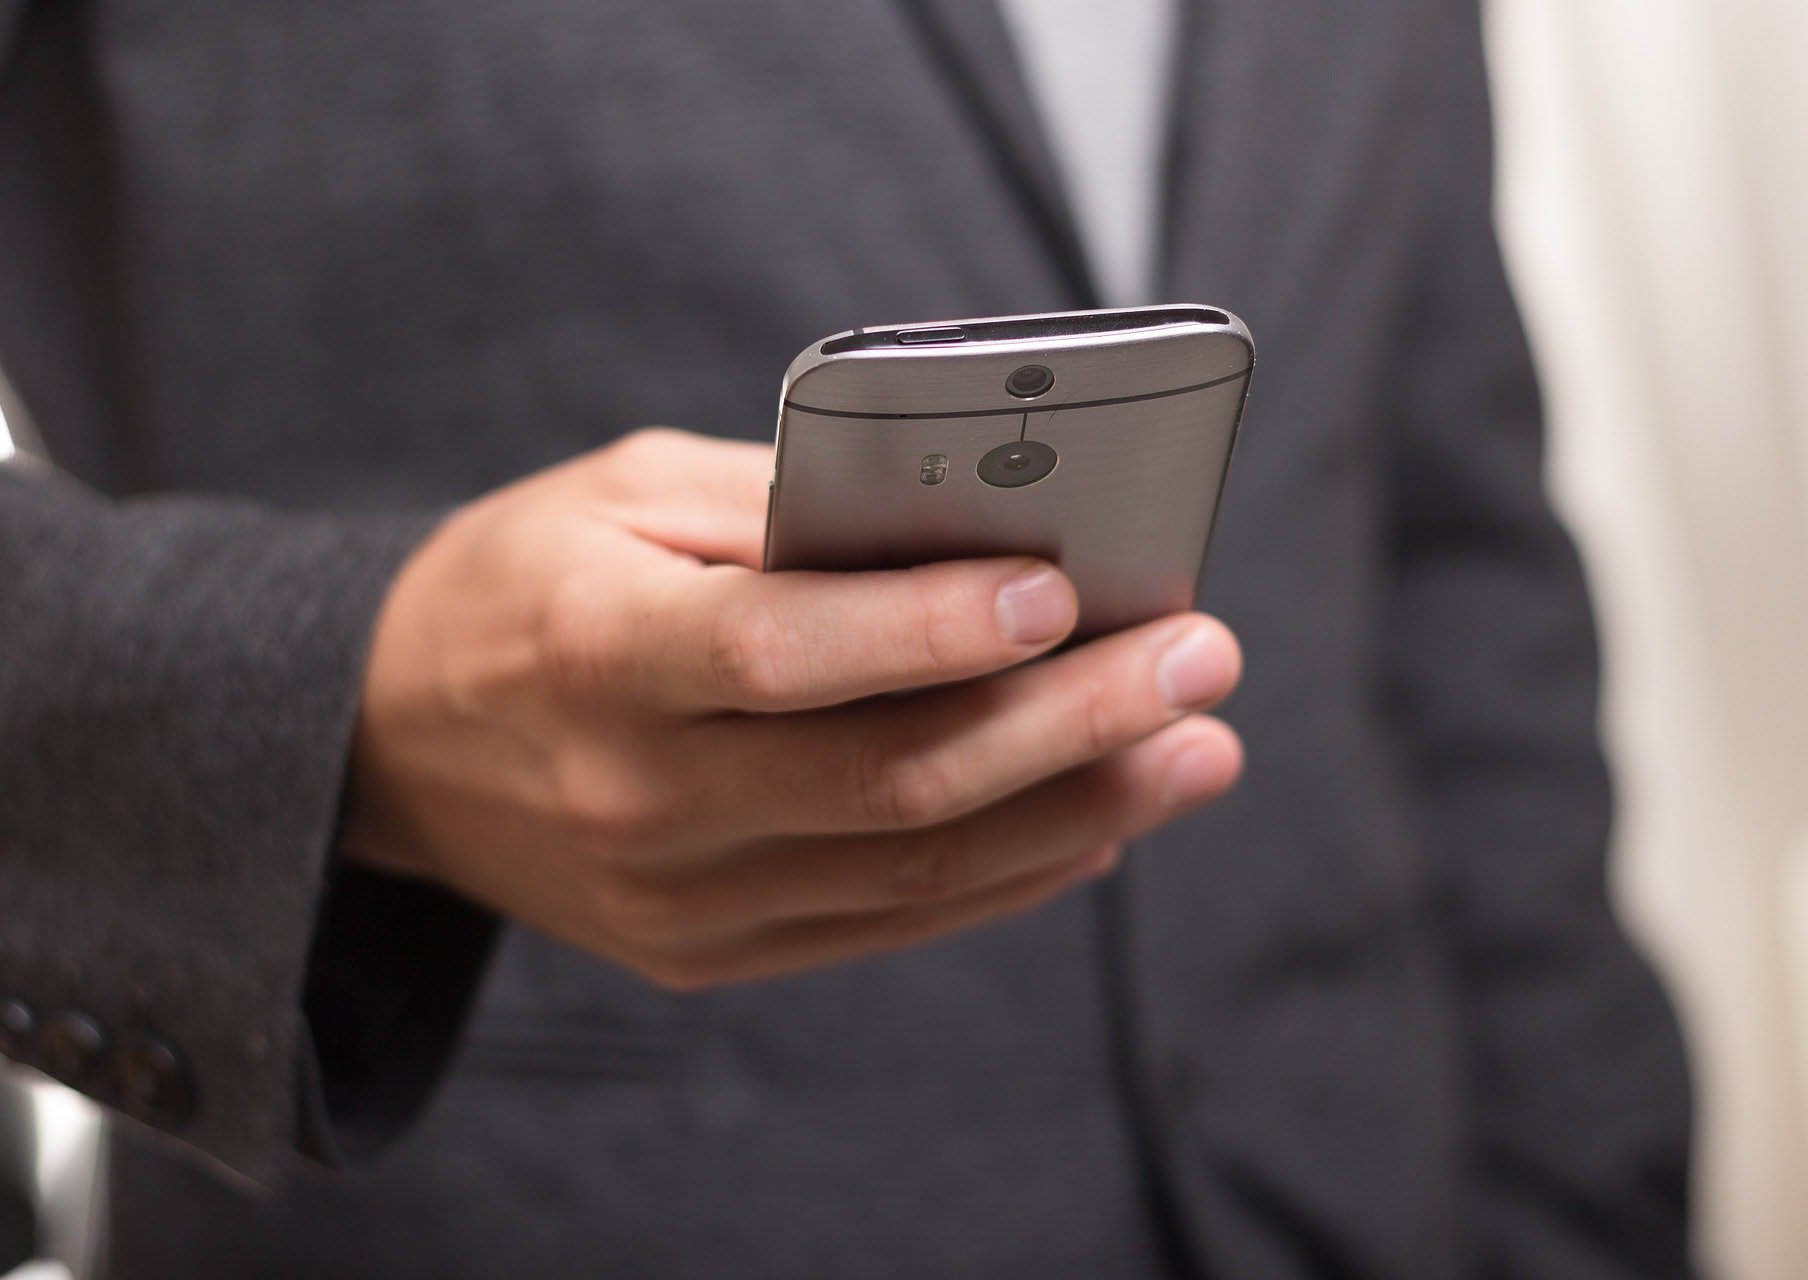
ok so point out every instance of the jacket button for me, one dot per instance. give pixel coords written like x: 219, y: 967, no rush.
x: 70, y: 1046
x: 151, y: 1082
x: 17, y: 1022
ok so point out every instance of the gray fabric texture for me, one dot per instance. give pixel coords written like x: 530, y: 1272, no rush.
x: 177, y: 700
x: 332, y: 264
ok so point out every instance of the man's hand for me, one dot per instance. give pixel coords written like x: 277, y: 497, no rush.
x: 587, y: 709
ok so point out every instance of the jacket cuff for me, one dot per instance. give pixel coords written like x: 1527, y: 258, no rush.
x: 180, y: 684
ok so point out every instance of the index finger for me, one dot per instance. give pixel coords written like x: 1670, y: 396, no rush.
x: 696, y: 494
x: 733, y: 639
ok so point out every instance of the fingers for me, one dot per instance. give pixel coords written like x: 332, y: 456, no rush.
x: 814, y: 944
x: 968, y: 886
x: 1124, y: 795
x: 712, y: 533
x: 698, y: 495
x: 728, y: 639
x: 663, y: 465
x: 919, y: 762
x: 691, y: 493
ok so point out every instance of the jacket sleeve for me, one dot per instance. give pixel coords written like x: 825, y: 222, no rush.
x: 1578, y: 1090
x: 178, y: 685
x: 12, y: 13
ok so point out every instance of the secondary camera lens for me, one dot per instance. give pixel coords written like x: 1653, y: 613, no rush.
x: 1030, y: 381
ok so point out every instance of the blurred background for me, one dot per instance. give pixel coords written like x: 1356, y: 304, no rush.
x: 1654, y: 165
x: 1654, y: 206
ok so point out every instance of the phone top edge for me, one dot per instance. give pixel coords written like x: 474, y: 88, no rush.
x: 1051, y: 327
x: 1087, y: 367
x: 1039, y: 408
x: 1209, y: 319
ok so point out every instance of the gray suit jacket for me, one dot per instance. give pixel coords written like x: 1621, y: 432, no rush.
x: 284, y: 280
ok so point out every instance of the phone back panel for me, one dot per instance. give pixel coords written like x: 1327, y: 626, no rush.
x: 879, y: 449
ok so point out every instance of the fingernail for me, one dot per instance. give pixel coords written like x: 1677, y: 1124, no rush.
x: 1197, y: 669
x: 1198, y: 773
x: 1035, y: 606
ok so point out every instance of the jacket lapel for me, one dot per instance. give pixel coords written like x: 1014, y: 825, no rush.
x: 970, y: 47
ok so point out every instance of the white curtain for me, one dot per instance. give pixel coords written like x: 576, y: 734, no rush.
x: 1654, y: 203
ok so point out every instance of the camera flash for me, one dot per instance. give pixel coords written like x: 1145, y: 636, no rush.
x: 935, y: 469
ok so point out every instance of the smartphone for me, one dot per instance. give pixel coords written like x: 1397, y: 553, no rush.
x: 1099, y: 440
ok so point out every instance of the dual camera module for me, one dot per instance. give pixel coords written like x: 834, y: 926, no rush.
x: 1017, y: 463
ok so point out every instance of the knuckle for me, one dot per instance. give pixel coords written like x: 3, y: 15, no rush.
x: 679, y: 973
x: 747, y: 655
x: 1115, y: 805
x: 932, y: 874
x: 605, y: 812
x: 905, y: 791
x: 645, y: 440
x: 572, y: 640
x: 646, y: 912
x: 1098, y: 723
x: 647, y: 819
x: 585, y: 806
x: 935, y: 623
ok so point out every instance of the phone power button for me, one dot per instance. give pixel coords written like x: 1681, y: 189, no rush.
x: 941, y: 333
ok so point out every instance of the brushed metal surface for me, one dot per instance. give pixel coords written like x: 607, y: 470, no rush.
x: 1127, y: 512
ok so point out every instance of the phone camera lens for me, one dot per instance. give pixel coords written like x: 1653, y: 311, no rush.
x: 1030, y: 381
x: 1017, y: 463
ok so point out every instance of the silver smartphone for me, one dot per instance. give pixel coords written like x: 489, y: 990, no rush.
x: 1097, y: 439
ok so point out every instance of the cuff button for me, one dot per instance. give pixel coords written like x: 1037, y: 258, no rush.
x: 17, y: 1022
x: 151, y: 1081
x: 70, y: 1047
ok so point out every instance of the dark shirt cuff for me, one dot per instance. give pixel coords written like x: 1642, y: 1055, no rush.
x: 391, y: 979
